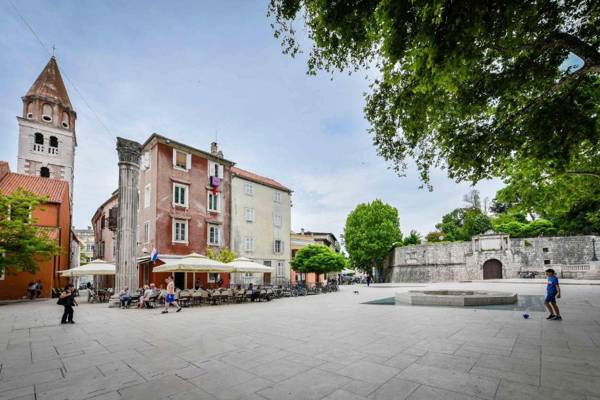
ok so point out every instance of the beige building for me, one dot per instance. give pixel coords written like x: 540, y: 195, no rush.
x: 260, y: 224
x: 87, y: 242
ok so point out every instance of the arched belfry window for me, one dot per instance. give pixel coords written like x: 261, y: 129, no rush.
x: 47, y: 113
x: 30, y: 110
x: 38, y: 142
x: 65, y: 120
x: 45, y: 172
x: 39, y: 138
x: 53, y: 145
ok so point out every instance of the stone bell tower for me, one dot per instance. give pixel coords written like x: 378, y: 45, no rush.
x: 47, y: 138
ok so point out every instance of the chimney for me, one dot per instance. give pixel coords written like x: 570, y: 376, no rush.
x: 4, y: 169
x: 214, y: 148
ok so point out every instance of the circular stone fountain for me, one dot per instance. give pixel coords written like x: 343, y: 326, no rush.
x: 460, y: 298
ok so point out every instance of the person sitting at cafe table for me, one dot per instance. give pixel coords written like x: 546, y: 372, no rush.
x: 125, y: 297
x: 31, y: 289
x: 144, y: 291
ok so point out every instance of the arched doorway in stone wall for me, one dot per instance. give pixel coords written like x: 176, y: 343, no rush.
x: 492, y: 269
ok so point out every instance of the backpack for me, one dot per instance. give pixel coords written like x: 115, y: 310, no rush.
x: 62, y: 301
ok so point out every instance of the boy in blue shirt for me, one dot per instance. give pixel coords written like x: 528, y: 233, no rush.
x: 552, y: 293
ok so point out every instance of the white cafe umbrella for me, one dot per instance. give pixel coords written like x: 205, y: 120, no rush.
x: 243, y: 264
x: 193, y: 263
x: 96, y: 267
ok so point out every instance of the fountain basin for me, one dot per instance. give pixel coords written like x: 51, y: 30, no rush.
x: 457, y: 298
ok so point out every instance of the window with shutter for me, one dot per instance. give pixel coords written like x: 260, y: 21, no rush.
x: 181, y: 160
x: 248, y: 188
x: 180, y: 195
x: 249, y: 214
x: 146, y: 161
x: 214, y: 235
x: 214, y: 202
x: 147, y: 196
x: 249, y: 244
x: 113, y: 218
x: 146, y: 232
x: 180, y: 230
x: 278, y: 246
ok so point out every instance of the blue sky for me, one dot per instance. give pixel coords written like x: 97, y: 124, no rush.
x: 194, y: 71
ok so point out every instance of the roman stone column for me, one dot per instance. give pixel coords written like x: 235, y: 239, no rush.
x: 127, y: 218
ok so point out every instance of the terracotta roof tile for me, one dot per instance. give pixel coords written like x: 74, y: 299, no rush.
x: 251, y: 176
x: 54, y: 189
x: 49, y: 84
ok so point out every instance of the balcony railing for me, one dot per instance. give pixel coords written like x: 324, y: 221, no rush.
x: 38, y: 147
x: 53, y: 150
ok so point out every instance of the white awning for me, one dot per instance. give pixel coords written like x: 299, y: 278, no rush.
x: 96, y: 267
x: 193, y: 263
x: 243, y: 264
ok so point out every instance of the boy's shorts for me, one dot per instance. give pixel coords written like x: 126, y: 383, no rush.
x: 550, y: 298
x: 170, y: 298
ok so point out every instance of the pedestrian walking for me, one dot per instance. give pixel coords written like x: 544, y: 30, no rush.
x: 368, y: 280
x: 170, y: 298
x: 67, y: 300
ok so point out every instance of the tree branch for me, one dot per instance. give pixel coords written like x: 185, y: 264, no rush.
x: 589, y: 54
x: 584, y: 173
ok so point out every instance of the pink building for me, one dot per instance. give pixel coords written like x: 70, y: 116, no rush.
x: 184, y: 206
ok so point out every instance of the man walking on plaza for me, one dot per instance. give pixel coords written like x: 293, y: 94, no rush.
x: 67, y: 299
x: 170, y: 299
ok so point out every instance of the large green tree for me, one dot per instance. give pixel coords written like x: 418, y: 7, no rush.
x: 23, y: 245
x: 413, y: 237
x: 371, y: 231
x: 318, y: 259
x: 571, y: 203
x: 462, y: 224
x: 472, y: 86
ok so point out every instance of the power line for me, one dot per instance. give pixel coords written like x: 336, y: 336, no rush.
x: 71, y: 82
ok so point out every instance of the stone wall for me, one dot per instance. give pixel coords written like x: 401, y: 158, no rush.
x: 571, y: 257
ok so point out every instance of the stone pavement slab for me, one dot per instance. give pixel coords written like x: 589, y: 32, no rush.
x: 316, y: 347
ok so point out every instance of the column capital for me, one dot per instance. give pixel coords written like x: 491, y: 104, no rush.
x: 129, y: 151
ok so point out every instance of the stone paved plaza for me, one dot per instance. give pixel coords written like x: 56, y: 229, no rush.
x: 319, y: 347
